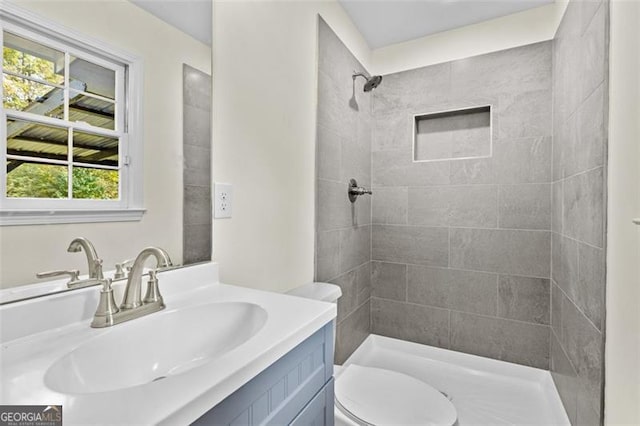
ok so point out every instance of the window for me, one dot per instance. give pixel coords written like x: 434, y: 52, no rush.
x: 69, y: 126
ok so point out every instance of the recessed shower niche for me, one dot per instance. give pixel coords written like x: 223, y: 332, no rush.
x: 453, y: 134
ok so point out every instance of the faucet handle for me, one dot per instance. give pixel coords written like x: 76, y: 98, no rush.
x: 106, y: 306
x: 97, y: 265
x: 72, y: 273
x: 153, y: 291
x: 121, y: 267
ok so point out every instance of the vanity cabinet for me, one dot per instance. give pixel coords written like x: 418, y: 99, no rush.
x: 297, y: 389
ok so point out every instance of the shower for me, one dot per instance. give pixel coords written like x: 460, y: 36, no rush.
x: 372, y: 82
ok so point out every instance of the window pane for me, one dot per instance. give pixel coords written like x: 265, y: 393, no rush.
x: 36, y: 140
x: 93, y: 78
x: 32, y: 59
x: 25, y: 95
x: 94, y: 149
x: 95, y: 184
x: 97, y: 112
x: 33, y: 180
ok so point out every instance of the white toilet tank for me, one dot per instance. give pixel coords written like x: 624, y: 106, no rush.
x: 318, y: 291
x: 324, y: 292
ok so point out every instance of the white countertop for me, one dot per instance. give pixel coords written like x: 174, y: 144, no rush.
x: 37, y: 332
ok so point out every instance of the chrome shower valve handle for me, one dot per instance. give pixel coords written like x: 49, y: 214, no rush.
x: 354, y: 191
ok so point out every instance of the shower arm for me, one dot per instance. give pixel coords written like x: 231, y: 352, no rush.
x: 359, y: 74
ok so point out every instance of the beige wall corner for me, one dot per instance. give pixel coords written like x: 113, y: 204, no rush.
x: 622, y: 353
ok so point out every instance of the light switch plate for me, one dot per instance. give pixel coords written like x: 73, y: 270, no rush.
x: 223, y: 200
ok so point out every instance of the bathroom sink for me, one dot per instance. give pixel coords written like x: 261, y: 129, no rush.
x: 156, y: 347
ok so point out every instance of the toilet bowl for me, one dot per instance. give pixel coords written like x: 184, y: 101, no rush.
x: 373, y: 396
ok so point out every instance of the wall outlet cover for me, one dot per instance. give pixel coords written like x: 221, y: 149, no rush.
x: 223, y: 200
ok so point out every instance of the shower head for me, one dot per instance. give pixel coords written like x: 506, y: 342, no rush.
x: 372, y: 82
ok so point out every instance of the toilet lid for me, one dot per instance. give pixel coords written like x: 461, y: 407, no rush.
x: 382, y: 397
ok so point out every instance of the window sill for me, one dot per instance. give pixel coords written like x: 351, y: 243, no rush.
x: 47, y: 217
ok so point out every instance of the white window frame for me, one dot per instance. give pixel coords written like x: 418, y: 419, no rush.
x: 129, y: 207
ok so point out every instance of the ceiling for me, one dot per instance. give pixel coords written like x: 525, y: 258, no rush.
x: 383, y: 23
x: 190, y: 16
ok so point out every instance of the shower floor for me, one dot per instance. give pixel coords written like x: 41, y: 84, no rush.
x: 484, y: 391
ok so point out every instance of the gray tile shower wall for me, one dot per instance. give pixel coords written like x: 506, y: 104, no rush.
x: 501, y: 256
x: 580, y: 56
x: 461, y: 248
x: 196, y: 139
x: 343, y: 151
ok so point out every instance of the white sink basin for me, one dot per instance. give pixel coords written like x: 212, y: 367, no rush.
x: 155, y: 347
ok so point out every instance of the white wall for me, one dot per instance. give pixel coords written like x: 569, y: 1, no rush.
x: 25, y: 250
x: 622, y: 351
x: 518, y: 29
x: 264, y: 121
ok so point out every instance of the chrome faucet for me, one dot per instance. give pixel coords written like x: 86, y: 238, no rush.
x: 95, y: 266
x: 133, y: 306
x: 132, y: 292
x: 81, y: 243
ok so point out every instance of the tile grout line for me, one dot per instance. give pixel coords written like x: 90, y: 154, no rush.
x: 398, y: 225
x: 462, y: 269
x: 440, y: 308
x: 498, y: 295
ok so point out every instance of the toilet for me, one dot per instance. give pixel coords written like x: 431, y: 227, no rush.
x: 375, y: 396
